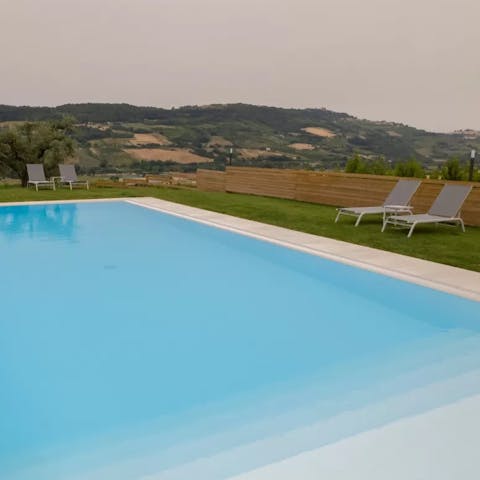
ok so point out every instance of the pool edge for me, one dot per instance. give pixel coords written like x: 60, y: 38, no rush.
x: 437, y: 276
x: 445, y: 278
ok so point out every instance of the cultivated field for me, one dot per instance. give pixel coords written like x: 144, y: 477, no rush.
x: 12, y: 123
x: 178, y: 155
x: 217, y: 141
x: 302, y: 146
x: 252, y: 153
x: 149, y: 139
x: 319, y: 132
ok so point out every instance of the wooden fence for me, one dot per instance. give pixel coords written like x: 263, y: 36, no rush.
x: 211, y: 180
x: 328, y: 188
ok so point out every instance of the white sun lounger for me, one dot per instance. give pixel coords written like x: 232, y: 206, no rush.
x: 36, y: 176
x: 69, y: 177
x: 445, y: 209
x: 398, y: 200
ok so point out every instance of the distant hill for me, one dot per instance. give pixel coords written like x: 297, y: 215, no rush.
x: 126, y: 137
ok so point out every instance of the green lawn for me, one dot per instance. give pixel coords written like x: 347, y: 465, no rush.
x: 441, y: 244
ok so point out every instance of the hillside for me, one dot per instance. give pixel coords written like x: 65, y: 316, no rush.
x: 121, y: 137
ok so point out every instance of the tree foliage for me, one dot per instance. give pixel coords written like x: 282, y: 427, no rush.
x: 48, y: 143
x: 452, y: 170
x: 356, y: 164
x: 374, y: 166
x: 409, y: 168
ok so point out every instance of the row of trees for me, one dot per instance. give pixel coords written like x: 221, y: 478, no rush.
x: 452, y: 169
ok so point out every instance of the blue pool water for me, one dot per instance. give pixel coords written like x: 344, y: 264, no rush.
x: 135, y: 343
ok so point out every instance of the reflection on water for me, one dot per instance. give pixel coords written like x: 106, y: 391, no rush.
x: 39, y: 221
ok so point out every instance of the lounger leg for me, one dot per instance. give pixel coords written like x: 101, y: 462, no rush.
x: 411, y: 230
x: 359, y: 219
x: 88, y: 186
x: 71, y: 188
x: 384, y: 226
x: 336, y: 219
x: 462, y: 224
x: 36, y: 187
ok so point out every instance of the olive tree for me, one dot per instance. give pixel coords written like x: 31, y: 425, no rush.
x: 48, y: 143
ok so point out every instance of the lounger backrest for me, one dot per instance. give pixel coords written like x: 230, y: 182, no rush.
x: 450, y: 200
x: 402, y: 192
x: 68, y: 173
x: 35, y: 172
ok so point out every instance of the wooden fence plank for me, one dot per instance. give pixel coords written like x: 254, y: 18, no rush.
x: 211, y: 180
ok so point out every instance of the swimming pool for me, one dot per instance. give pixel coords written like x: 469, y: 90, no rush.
x: 136, y: 344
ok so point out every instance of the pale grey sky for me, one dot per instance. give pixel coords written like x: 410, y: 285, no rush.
x: 412, y: 61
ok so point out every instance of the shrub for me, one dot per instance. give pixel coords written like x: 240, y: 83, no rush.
x: 356, y: 165
x: 452, y: 170
x: 376, y: 166
x: 409, y: 168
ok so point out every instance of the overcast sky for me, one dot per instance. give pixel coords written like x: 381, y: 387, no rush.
x: 412, y: 61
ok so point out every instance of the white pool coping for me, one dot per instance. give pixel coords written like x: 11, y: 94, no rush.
x: 441, y: 444
x: 453, y: 280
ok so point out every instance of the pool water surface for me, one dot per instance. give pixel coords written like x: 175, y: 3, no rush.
x: 136, y: 344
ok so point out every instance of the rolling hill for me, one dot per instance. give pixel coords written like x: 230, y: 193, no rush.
x: 122, y: 137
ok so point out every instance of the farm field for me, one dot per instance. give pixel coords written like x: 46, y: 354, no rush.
x: 319, y: 132
x: 177, y: 155
x: 149, y: 139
